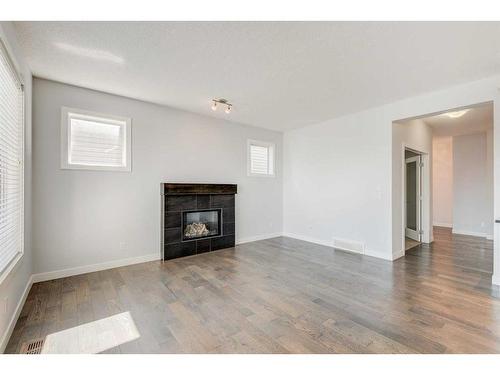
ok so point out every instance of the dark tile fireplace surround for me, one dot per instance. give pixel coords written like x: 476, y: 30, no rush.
x: 197, y: 218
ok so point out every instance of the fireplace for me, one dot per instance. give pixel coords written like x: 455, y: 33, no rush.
x: 201, y: 224
x: 197, y: 218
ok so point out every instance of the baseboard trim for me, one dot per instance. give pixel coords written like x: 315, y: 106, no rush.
x: 398, y: 255
x: 495, y: 279
x: 367, y: 252
x: 469, y: 233
x: 45, y: 276
x: 15, y: 316
x: 444, y: 225
x: 241, y: 241
x: 308, y: 239
x: 52, y: 275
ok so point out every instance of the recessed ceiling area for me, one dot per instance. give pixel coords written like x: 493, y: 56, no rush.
x: 475, y: 119
x: 277, y: 75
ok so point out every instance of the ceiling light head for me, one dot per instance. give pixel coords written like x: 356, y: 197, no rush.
x: 456, y: 114
x: 224, y: 102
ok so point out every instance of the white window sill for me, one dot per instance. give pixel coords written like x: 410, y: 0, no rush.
x: 81, y: 167
x: 10, y: 268
x: 260, y: 175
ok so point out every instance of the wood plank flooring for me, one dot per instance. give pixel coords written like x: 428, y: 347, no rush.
x: 276, y: 296
x: 409, y: 243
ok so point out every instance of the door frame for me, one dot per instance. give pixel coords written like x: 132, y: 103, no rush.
x: 414, y: 234
x: 425, y: 183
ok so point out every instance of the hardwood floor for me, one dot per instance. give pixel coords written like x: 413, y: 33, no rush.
x: 409, y: 243
x: 276, y: 296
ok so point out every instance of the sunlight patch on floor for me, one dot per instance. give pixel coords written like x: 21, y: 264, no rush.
x: 93, y: 337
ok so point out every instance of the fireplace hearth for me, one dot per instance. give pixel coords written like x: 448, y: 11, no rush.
x: 197, y: 218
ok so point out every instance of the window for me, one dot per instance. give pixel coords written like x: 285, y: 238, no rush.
x: 11, y: 164
x: 260, y: 158
x: 94, y: 141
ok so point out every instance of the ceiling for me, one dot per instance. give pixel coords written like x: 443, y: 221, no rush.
x: 278, y: 75
x: 477, y: 119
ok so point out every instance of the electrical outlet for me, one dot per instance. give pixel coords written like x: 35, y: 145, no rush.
x: 5, y: 305
x: 482, y: 224
x: 123, y: 246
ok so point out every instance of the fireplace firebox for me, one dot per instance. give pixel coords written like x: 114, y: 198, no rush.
x: 197, y: 218
x: 201, y: 224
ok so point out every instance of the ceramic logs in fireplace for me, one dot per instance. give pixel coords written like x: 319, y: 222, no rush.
x: 197, y: 218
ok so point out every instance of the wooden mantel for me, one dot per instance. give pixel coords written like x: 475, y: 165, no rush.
x: 184, y: 188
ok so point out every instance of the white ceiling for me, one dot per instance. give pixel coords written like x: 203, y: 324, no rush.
x: 477, y: 119
x: 279, y: 75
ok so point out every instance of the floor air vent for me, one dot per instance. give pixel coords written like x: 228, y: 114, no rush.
x: 32, y: 347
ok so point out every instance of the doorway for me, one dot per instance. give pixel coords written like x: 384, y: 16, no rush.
x: 452, y: 190
x: 413, y: 198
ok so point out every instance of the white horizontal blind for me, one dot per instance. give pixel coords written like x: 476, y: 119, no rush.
x: 96, y: 141
x: 261, y: 159
x: 11, y: 161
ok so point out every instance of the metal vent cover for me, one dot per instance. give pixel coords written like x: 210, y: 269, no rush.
x: 32, y: 347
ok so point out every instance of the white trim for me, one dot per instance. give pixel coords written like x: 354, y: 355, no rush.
x: 398, y: 255
x: 368, y: 252
x: 125, y: 122
x: 444, y: 225
x: 426, y: 190
x: 11, y: 266
x: 258, y: 238
x: 414, y: 234
x: 4, y: 45
x: 308, y: 239
x: 469, y: 233
x: 38, y: 277
x: 15, y: 316
x: 495, y: 279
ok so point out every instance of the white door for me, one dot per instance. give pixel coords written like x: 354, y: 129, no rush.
x: 413, y: 197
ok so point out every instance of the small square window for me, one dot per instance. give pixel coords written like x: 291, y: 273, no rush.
x: 94, y: 141
x: 260, y: 158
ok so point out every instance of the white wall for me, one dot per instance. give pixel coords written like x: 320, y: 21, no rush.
x: 335, y: 185
x: 442, y: 181
x: 338, y: 174
x: 472, y: 205
x: 82, y: 217
x: 14, y: 288
x: 416, y: 135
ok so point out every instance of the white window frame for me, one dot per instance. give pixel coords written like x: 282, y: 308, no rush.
x: 67, y: 113
x: 272, y: 148
x: 17, y: 257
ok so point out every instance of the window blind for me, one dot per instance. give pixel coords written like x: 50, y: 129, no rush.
x: 96, y: 142
x: 11, y: 160
x: 261, y: 159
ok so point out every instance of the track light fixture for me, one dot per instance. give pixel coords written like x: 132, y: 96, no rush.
x: 224, y: 102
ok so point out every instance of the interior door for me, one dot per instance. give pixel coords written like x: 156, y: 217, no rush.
x: 413, y: 197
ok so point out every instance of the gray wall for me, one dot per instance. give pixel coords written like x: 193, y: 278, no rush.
x: 473, y: 184
x: 89, y: 217
x: 13, y: 287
